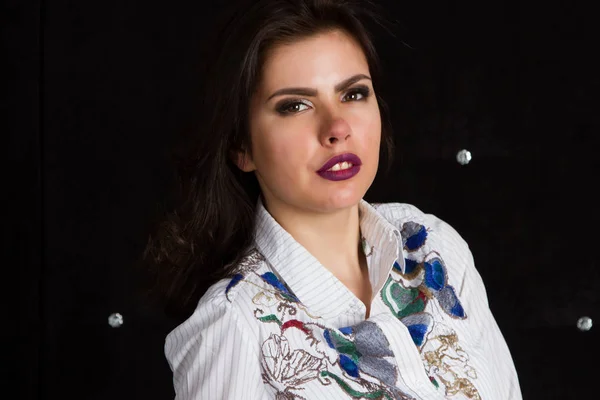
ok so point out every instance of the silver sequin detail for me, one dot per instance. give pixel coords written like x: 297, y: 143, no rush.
x: 584, y: 324
x: 463, y: 157
x: 115, y: 320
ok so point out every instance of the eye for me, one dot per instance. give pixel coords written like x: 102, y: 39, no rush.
x: 357, y: 94
x: 292, y: 107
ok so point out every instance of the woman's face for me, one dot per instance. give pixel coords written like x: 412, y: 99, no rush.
x: 315, y: 101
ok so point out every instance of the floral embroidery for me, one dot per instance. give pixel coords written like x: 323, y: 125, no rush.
x: 287, y: 370
x: 444, y: 356
x: 408, y: 296
x: 431, y: 280
x: 364, y: 348
x: 357, y: 359
x: 413, y: 236
x: 235, y: 279
x: 250, y: 262
x: 272, y: 280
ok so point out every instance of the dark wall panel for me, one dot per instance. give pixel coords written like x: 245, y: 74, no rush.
x: 119, y: 84
x: 21, y: 253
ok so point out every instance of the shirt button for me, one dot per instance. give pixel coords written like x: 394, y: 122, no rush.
x: 584, y: 324
x: 463, y: 157
x: 115, y: 320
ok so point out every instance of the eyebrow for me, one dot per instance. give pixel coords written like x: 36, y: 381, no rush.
x: 343, y: 85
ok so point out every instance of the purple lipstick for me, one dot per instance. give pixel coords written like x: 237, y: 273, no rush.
x: 340, y: 172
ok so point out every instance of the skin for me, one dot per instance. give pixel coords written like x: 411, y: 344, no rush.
x: 288, y: 149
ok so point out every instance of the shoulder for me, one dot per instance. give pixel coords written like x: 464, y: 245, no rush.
x: 237, y: 290
x: 222, y: 326
x: 228, y: 301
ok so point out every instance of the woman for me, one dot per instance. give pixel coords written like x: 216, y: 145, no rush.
x: 321, y: 295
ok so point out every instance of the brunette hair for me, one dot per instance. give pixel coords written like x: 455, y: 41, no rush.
x: 211, y: 226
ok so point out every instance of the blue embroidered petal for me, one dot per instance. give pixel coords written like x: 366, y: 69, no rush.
x: 346, y: 330
x: 414, y: 235
x: 397, y: 267
x: 458, y: 310
x: 272, y: 280
x: 410, y: 265
x: 348, y: 365
x: 418, y: 326
x: 450, y: 303
x: 417, y: 332
x: 234, y: 281
x: 435, y: 275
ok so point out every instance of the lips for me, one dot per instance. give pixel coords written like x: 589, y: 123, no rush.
x: 348, y: 157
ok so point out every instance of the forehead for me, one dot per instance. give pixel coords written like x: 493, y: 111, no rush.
x: 326, y: 57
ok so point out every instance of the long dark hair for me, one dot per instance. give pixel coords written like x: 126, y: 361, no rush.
x: 210, y: 229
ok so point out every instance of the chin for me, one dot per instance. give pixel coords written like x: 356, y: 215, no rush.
x: 341, y: 201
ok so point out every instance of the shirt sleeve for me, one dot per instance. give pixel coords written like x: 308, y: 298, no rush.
x: 211, y: 356
x: 484, y: 330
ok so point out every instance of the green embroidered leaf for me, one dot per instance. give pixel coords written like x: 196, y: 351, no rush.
x: 343, y: 345
x: 270, y: 318
x: 412, y: 308
x: 406, y: 301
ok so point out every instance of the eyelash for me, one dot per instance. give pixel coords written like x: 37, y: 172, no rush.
x: 365, y: 92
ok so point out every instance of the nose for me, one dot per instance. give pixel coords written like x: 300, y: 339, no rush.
x: 336, y: 131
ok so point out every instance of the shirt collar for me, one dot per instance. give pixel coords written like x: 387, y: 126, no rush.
x: 317, y: 288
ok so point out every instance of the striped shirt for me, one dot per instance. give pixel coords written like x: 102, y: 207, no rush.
x: 284, y: 327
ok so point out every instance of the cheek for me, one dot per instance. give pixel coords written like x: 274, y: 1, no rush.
x: 372, y: 131
x: 278, y: 152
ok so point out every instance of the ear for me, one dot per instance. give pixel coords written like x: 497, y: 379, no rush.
x: 243, y: 160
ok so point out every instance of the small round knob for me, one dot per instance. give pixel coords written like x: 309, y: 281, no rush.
x: 584, y: 324
x: 463, y: 157
x: 115, y: 320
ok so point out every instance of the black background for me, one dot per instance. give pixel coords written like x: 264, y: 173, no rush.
x: 96, y: 92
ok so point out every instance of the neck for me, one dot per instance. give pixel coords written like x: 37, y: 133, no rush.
x: 332, y: 238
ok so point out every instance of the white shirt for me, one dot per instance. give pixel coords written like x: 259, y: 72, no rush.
x: 284, y: 327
